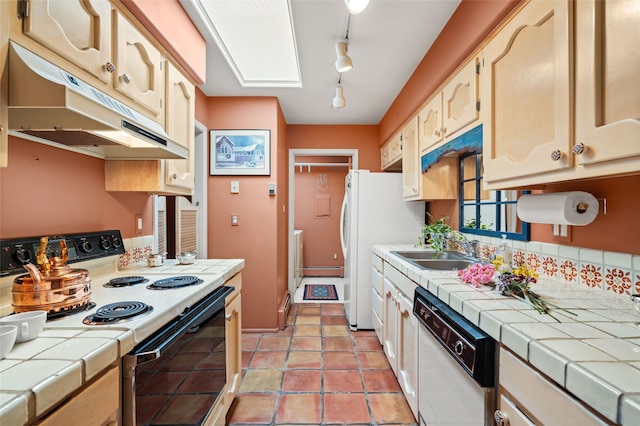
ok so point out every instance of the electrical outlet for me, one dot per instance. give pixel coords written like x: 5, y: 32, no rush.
x: 138, y: 226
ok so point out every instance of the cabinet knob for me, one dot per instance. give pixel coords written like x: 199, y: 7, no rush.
x: 228, y: 317
x: 444, y: 130
x: 556, y: 155
x: 125, y: 79
x: 1, y: 129
x: 109, y: 67
x: 436, y: 132
x: 501, y: 418
x: 174, y: 176
x: 579, y: 148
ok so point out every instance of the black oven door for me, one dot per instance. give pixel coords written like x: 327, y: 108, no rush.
x: 176, y: 375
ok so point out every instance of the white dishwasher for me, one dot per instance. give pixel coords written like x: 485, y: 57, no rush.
x: 456, y: 364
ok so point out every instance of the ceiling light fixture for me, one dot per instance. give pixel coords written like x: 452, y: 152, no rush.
x: 338, y: 99
x: 356, y: 6
x: 344, y: 62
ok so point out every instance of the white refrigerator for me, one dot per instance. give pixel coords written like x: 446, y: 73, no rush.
x: 373, y: 212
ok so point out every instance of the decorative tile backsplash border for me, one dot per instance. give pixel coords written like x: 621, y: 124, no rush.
x: 617, y: 273
x: 136, y: 251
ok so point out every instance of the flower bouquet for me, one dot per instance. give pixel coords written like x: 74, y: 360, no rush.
x: 510, y: 282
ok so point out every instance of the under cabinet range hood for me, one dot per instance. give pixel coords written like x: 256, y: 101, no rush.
x: 51, y: 106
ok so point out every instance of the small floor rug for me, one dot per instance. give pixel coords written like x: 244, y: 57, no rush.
x: 320, y: 292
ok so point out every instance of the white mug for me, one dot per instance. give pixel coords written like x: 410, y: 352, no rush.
x: 29, y: 324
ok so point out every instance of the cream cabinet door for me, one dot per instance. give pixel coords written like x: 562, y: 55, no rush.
x: 607, y: 85
x: 139, y: 74
x: 411, y: 175
x: 180, y: 121
x: 391, y: 153
x: 77, y: 30
x: 430, y: 131
x: 390, y: 324
x: 526, y: 86
x: 460, y: 100
x: 408, y: 352
x: 4, y: 83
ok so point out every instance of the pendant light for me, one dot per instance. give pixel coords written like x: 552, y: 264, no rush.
x: 338, y: 99
x: 344, y: 62
x: 356, y: 6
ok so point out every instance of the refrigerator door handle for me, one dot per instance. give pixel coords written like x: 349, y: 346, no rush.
x: 343, y: 220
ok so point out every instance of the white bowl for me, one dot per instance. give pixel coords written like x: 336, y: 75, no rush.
x: 29, y: 324
x: 7, y: 339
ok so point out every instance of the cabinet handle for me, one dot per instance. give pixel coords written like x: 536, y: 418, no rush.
x: 125, y: 79
x: 444, y: 130
x: 109, y: 67
x: 579, y: 148
x: 556, y: 155
x: 501, y: 418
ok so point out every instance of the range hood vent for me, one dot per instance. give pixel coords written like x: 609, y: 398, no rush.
x: 51, y: 106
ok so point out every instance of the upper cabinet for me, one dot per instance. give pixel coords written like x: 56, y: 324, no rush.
x: 548, y: 121
x: 79, y: 31
x: 607, y: 86
x: 100, y: 45
x: 527, y: 91
x: 139, y: 74
x: 411, y: 176
x: 391, y: 153
x: 451, y: 110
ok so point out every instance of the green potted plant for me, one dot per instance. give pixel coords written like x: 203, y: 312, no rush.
x: 436, y: 233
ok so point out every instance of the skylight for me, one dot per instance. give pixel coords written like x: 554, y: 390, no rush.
x: 257, y: 39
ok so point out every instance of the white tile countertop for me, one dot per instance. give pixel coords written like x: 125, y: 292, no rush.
x: 595, y: 355
x: 40, y: 374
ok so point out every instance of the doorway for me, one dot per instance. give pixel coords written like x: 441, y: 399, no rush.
x: 351, y: 154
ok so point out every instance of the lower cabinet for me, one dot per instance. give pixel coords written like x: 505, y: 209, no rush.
x: 525, y: 397
x: 400, y: 333
x: 97, y: 404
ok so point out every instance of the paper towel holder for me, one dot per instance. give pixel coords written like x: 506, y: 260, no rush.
x: 563, y: 230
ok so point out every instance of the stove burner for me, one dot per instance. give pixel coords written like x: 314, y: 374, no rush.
x: 52, y: 316
x: 174, y: 282
x: 126, y: 281
x: 117, y: 312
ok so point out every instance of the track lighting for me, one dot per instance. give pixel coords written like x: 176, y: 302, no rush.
x: 356, y: 6
x: 343, y: 63
x: 338, y: 99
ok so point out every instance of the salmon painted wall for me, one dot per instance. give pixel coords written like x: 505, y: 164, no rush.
x: 472, y: 21
x: 364, y: 138
x: 169, y: 23
x: 317, y: 213
x: 47, y: 191
x: 256, y: 238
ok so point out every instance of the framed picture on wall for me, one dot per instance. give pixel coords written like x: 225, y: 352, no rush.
x: 240, y: 152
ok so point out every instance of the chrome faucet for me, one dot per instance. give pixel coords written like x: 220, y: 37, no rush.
x: 470, y: 247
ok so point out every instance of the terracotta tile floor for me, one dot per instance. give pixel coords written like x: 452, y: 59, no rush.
x: 317, y: 372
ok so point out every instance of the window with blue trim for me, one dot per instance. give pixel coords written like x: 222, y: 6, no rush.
x: 484, y: 212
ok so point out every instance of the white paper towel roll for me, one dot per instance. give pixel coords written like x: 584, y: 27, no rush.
x: 561, y: 208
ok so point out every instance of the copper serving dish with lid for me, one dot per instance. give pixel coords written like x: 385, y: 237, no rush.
x: 51, y: 286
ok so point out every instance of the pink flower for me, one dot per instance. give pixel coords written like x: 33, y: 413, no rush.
x: 477, y: 274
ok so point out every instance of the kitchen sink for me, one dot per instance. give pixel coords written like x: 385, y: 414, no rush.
x: 444, y: 264
x: 443, y: 261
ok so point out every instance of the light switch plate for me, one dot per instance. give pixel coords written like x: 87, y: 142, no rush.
x: 235, y: 187
x: 272, y: 189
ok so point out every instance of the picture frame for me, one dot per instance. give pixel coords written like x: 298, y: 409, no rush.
x: 240, y: 152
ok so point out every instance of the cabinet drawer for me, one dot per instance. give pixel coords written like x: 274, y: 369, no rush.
x: 377, y: 325
x: 376, y: 302
x: 513, y: 413
x: 404, y: 284
x: 377, y: 281
x: 538, y: 396
x: 376, y: 261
